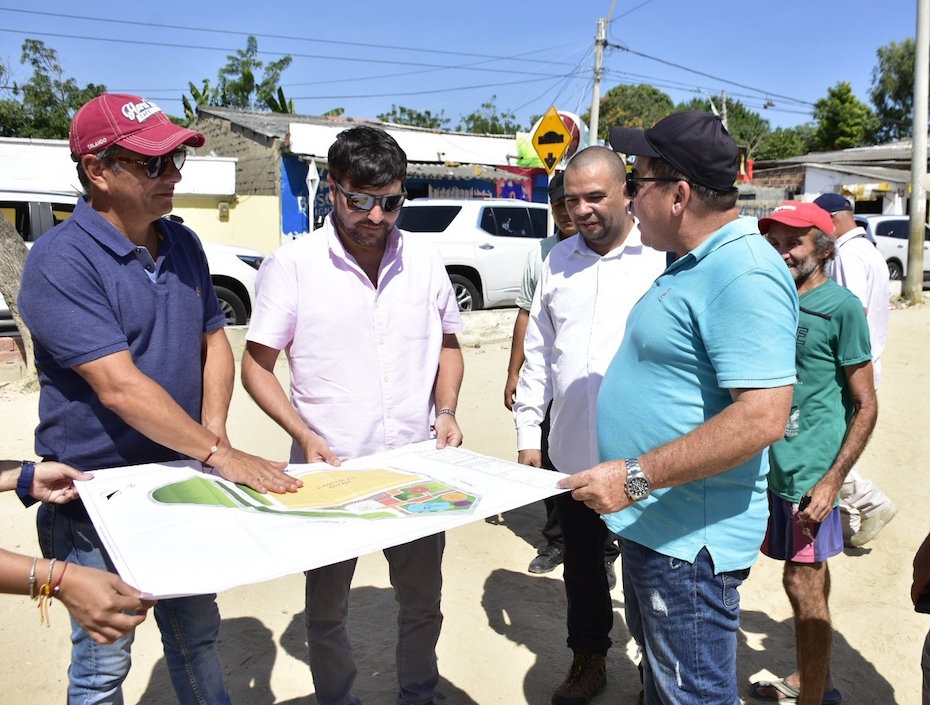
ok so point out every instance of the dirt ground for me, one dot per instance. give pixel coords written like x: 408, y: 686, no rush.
x: 503, y: 639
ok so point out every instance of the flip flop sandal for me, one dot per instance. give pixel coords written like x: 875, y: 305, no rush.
x: 789, y: 694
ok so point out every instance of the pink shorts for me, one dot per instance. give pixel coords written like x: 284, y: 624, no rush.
x: 789, y: 539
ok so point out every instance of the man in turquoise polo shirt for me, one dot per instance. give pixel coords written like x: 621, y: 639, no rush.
x: 700, y: 387
x: 832, y: 416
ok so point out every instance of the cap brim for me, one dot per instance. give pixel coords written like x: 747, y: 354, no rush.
x: 785, y: 218
x: 161, y: 139
x: 631, y: 140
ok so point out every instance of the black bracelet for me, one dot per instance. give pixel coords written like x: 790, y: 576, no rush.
x: 24, y: 483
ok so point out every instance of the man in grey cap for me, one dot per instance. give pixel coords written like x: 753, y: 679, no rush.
x: 860, y: 267
x: 699, y: 388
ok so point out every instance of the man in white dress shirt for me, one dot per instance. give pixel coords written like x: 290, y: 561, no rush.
x: 860, y: 267
x: 586, y: 287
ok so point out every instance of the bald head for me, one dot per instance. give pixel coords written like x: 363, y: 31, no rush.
x: 595, y: 195
x: 595, y: 156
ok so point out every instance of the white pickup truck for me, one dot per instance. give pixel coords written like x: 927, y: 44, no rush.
x: 233, y: 269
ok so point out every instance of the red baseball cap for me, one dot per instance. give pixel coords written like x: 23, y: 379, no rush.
x: 799, y: 215
x: 129, y: 121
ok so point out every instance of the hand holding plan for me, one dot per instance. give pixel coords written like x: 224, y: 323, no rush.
x: 247, y: 469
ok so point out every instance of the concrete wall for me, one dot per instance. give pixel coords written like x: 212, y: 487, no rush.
x: 254, y: 221
x: 258, y: 157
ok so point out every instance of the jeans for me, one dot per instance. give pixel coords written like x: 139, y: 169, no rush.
x: 590, y: 609
x: 416, y: 574
x: 189, y: 627
x: 686, y: 620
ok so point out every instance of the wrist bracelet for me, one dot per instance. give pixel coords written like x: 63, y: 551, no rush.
x: 445, y: 411
x: 57, y: 585
x: 24, y: 483
x: 32, y: 579
x: 216, y: 447
x: 45, y: 597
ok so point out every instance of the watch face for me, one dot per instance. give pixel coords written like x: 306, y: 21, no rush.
x: 637, y: 488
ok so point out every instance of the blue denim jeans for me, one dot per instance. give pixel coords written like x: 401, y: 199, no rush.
x: 189, y: 627
x: 686, y: 620
x: 416, y: 574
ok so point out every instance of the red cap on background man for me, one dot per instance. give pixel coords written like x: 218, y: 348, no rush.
x: 128, y: 121
x: 795, y: 214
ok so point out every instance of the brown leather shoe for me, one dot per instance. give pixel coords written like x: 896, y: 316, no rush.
x: 586, y: 678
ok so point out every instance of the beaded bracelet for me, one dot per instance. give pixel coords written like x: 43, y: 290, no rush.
x: 445, y: 411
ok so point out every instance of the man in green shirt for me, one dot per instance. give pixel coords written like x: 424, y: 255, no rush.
x: 833, y: 412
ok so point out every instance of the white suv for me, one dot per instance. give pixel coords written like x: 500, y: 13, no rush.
x: 890, y: 234
x: 483, y: 243
x: 233, y: 269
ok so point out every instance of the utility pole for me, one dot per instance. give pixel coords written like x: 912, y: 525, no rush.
x: 913, y: 285
x: 599, y: 43
x: 723, y: 113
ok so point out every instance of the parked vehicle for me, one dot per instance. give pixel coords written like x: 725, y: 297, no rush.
x: 232, y: 268
x: 890, y: 234
x: 483, y: 243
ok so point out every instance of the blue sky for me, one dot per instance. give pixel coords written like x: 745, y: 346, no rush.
x: 365, y: 55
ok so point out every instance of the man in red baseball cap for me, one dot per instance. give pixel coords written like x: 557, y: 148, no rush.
x: 134, y: 367
x: 833, y: 413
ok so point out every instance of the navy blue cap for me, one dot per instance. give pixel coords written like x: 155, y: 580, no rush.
x: 556, y: 187
x: 693, y: 142
x: 833, y: 202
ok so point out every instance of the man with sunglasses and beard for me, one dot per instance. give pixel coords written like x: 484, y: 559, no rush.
x: 134, y: 367
x: 369, y: 320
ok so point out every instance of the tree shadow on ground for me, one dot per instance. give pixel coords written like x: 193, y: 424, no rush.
x: 247, y: 651
x: 525, y: 522
x: 530, y: 611
x: 770, y: 645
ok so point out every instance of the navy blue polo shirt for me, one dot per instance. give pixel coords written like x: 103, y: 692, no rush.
x: 88, y: 292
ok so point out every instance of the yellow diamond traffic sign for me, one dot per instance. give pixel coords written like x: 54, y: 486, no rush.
x: 551, y: 139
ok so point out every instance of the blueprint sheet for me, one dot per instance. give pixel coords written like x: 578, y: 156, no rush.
x: 173, y: 530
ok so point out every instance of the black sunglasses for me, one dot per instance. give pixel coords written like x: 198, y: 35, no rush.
x: 632, y: 182
x: 156, y: 166
x: 365, y: 201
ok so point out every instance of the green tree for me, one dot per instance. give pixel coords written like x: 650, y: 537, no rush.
x: 280, y: 104
x: 238, y: 82
x: 401, y: 115
x: 892, y: 91
x: 843, y: 121
x: 202, y: 96
x: 631, y: 106
x: 783, y: 143
x: 43, y: 106
x: 487, y: 121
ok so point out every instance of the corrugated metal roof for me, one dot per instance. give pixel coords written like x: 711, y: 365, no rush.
x: 889, y: 153
x: 461, y: 171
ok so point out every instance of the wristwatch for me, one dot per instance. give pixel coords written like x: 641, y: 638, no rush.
x: 637, y: 485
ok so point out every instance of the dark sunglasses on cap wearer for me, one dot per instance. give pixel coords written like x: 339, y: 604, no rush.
x: 365, y: 201
x: 156, y: 166
x: 632, y: 182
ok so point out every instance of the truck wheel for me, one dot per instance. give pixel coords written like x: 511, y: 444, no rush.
x: 232, y: 306
x: 466, y: 294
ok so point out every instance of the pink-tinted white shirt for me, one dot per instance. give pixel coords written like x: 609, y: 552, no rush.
x: 363, y: 361
x: 576, y: 324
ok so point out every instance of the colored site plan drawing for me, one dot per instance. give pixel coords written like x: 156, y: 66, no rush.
x: 172, y: 530
x: 375, y: 493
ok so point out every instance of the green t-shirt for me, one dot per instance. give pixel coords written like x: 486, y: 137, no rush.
x: 832, y: 334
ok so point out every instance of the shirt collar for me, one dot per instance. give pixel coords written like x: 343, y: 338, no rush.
x: 633, y: 242
x: 104, y: 232
x: 734, y: 230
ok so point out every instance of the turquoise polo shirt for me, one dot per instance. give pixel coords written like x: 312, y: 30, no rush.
x: 722, y: 317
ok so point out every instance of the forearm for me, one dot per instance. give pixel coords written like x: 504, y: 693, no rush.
x: 516, y: 345
x: 450, y: 373
x: 15, y: 569
x: 219, y: 370
x: 857, y: 437
x: 754, y: 421
x: 144, y: 405
x: 9, y: 474
x: 266, y: 390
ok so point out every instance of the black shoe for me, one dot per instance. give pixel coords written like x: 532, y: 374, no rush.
x: 586, y: 678
x: 549, y: 557
x: 611, y: 574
